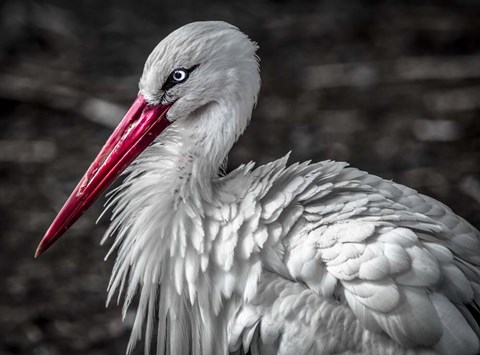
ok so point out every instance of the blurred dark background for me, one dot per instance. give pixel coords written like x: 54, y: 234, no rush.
x: 392, y: 88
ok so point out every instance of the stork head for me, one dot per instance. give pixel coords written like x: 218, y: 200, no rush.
x: 200, y: 65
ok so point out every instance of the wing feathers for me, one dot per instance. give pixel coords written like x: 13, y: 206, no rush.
x: 381, y: 246
x: 424, y: 269
x: 379, y: 296
x: 457, y: 337
x: 415, y: 322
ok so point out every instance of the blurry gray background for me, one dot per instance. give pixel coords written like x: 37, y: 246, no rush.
x: 392, y: 88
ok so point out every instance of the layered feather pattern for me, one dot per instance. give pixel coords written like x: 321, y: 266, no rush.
x: 300, y: 257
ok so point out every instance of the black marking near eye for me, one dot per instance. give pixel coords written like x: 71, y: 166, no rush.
x: 177, y: 76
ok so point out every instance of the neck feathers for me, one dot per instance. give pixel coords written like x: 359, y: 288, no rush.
x: 152, y: 228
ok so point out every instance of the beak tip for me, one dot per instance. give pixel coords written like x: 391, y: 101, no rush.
x: 49, y: 238
x: 41, y: 248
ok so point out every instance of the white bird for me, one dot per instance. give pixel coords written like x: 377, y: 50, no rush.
x: 301, y: 259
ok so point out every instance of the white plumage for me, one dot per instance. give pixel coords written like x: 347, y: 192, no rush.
x: 301, y: 259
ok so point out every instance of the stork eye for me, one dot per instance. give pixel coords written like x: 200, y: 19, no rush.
x: 177, y: 76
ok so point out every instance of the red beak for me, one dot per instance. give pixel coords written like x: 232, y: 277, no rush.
x: 140, y: 126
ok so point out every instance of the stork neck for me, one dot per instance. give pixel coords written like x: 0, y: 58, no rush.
x: 204, y: 139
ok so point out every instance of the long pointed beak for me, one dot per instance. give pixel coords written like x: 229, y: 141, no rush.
x: 140, y: 126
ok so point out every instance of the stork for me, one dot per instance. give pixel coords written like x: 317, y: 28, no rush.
x: 307, y: 258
